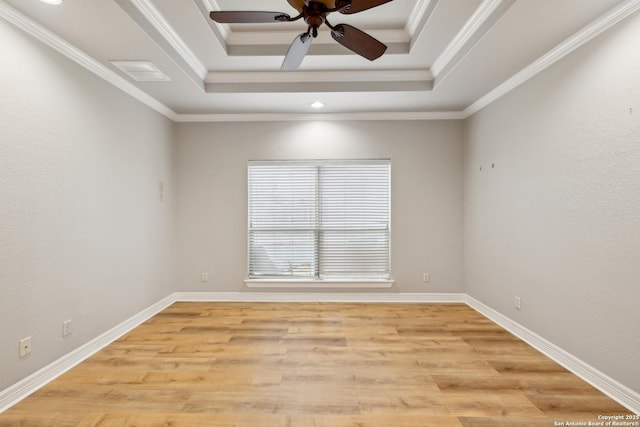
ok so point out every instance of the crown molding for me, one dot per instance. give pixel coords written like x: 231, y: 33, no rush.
x: 57, y: 43
x: 51, y: 39
x: 485, y: 16
x: 157, y: 20
x: 220, y: 32
x: 297, y: 117
x: 262, y: 38
x: 319, y: 81
x: 470, y: 28
x: 318, y: 76
x: 583, y: 36
x: 275, y: 43
x: 150, y: 20
x: 322, y: 87
x: 421, y: 10
x: 260, y: 43
x: 419, y: 18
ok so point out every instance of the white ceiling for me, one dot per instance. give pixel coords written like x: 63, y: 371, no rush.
x: 446, y: 58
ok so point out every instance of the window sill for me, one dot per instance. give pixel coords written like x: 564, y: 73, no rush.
x: 318, y: 284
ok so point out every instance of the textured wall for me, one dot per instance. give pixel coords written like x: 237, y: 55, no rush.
x: 557, y: 220
x: 426, y: 191
x: 83, y: 234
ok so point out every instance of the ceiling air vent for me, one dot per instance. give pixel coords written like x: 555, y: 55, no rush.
x: 141, y: 71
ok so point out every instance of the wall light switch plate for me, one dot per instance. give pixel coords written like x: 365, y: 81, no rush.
x: 66, y: 328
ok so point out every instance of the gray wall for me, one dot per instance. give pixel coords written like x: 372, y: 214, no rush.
x: 557, y: 221
x: 83, y: 234
x: 426, y: 191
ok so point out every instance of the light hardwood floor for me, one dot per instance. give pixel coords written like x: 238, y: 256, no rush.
x: 315, y: 364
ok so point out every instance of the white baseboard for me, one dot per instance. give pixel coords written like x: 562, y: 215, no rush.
x: 612, y: 388
x: 18, y: 391
x: 317, y: 297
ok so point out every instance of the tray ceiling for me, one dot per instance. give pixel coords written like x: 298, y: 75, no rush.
x: 445, y: 58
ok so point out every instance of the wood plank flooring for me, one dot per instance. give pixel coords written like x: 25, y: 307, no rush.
x: 315, y: 364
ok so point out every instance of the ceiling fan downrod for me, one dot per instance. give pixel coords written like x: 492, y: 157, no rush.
x: 315, y: 14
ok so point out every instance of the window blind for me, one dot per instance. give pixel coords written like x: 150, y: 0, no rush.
x: 319, y: 220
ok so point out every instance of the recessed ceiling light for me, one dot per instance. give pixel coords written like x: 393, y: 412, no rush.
x: 51, y: 1
x: 317, y: 104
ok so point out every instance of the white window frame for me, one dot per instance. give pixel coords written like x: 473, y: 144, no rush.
x: 316, y: 282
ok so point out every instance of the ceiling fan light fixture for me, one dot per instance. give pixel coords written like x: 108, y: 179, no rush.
x: 51, y: 1
x: 317, y: 105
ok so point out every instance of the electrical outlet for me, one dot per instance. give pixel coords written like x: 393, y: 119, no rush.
x: 205, y: 277
x: 518, y: 304
x: 426, y: 277
x: 25, y: 346
x: 66, y: 328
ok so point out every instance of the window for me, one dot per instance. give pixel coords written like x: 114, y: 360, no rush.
x: 323, y: 220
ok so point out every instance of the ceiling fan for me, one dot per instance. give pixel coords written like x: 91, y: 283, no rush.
x: 314, y: 13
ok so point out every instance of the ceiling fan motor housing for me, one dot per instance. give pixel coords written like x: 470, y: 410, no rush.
x: 299, y: 4
x: 315, y: 14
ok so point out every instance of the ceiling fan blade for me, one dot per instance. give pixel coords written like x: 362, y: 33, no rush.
x: 358, y: 41
x: 360, y: 5
x: 297, y: 51
x: 248, y: 17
